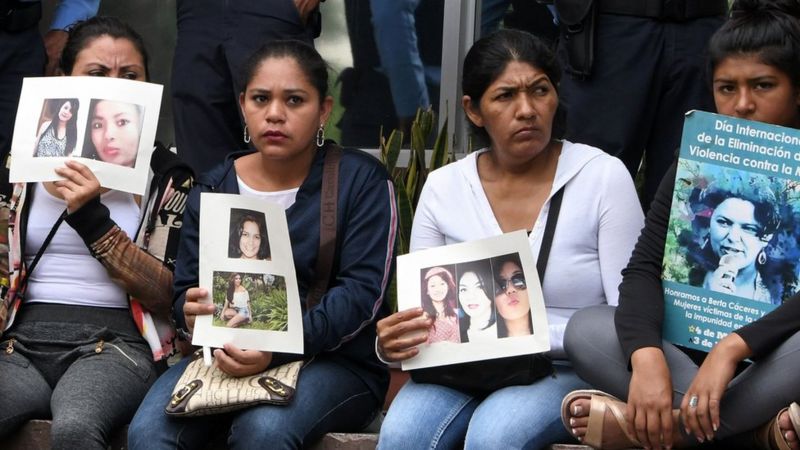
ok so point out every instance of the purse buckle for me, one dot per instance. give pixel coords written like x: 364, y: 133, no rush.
x: 273, y: 385
x: 184, y: 392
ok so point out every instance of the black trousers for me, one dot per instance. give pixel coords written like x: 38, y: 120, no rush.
x: 21, y: 55
x: 646, y: 75
x: 215, y: 37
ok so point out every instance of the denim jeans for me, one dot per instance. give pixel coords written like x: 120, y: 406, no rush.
x: 329, y: 397
x: 437, y: 417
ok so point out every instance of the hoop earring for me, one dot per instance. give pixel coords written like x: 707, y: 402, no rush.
x: 762, y: 258
x: 321, y: 136
x: 246, y: 136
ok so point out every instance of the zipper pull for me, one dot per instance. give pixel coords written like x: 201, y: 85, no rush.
x: 98, y: 348
x: 10, y: 347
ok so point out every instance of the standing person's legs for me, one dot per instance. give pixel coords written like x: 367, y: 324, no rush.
x: 427, y: 416
x: 613, y: 109
x: 329, y: 397
x: 21, y: 55
x: 24, y: 393
x: 524, y: 417
x: 686, y: 87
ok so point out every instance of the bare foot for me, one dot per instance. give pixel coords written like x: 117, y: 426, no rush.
x: 787, y: 431
x: 614, y: 436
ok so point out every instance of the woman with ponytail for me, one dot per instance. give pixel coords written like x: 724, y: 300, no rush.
x: 676, y: 397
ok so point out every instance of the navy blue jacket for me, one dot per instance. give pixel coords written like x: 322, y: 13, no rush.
x: 342, y: 326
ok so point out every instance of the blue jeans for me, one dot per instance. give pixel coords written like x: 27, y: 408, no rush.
x: 437, y: 417
x: 329, y: 397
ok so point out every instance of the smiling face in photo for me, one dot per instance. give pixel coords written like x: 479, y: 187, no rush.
x: 735, y: 234
x: 115, y: 130
x: 250, y: 240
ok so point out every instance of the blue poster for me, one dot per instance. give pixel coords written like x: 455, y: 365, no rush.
x: 732, y: 251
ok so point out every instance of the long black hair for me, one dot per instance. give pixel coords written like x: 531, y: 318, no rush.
x: 55, y: 105
x: 482, y: 270
x: 82, y: 34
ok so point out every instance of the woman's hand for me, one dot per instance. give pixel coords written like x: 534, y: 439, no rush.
x: 649, y: 412
x: 241, y: 363
x: 79, y: 186
x: 702, y: 419
x: 192, y: 307
x: 392, y: 344
x: 722, y: 280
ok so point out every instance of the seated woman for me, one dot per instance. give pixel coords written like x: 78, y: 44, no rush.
x: 755, y: 62
x: 738, y: 219
x: 236, y: 310
x: 285, y: 107
x: 510, y: 81
x: 58, y: 135
x: 76, y: 327
x: 439, y: 303
x: 511, y: 298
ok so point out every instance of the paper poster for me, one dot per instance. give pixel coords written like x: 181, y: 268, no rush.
x: 108, y: 124
x: 732, y: 248
x: 246, y: 264
x: 485, y: 297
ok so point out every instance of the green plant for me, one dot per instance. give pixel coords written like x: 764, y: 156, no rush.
x: 409, y: 180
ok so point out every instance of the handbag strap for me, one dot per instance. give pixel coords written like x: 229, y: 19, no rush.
x: 327, y: 225
x: 549, y: 231
x: 24, y: 282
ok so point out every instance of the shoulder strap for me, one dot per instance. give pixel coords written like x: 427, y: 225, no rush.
x: 549, y: 231
x: 24, y: 282
x: 327, y: 225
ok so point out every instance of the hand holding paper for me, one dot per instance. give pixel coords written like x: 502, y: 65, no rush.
x: 78, y: 186
x: 397, y: 339
x: 192, y: 308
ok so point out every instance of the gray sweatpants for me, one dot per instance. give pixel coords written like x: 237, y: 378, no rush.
x: 753, y: 397
x: 86, y: 368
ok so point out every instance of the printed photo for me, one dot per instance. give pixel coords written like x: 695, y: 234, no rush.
x: 250, y: 301
x: 734, y: 232
x: 58, y: 128
x: 113, y: 132
x: 484, y: 298
x: 439, y: 301
x: 511, y: 297
x: 248, y: 235
x: 107, y: 124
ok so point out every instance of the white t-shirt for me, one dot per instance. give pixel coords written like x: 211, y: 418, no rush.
x: 284, y: 198
x: 67, y: 273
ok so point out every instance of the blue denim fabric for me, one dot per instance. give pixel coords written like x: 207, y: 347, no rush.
x: 437, y: 417
x: 396, y: 38
x: 329, y: 397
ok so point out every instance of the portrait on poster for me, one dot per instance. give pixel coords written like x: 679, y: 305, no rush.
x: 108, y: 124
x: 483, y: 297
x: 246, y: 265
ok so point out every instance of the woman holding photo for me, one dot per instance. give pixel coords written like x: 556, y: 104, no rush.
x: 342, y: 386
x: 439, y: 302
x: 510, y: 83
x: 58, y: 135
x: 677, y: 397
x: 92, y: 315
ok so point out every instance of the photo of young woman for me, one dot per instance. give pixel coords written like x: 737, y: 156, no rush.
x: 476, y: 300
x: 113, y: 131
x: 438, y: 297
x: 511, y: 297
x: 248, y: 235
x: 58, y: 130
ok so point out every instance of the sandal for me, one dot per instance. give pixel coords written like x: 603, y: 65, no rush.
x: 769, y: 436
x: 601, y: 402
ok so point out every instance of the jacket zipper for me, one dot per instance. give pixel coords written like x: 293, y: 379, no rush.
x: 10, y: 346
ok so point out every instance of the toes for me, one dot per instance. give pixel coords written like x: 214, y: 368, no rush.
x: 580, y: 407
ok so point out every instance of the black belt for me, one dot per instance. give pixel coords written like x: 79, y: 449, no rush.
x: 18, y: 16
x: 668, y: 10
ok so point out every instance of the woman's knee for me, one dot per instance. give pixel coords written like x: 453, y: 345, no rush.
x: 592, y: 326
